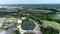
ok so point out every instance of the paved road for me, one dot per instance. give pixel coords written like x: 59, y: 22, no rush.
x: 10, y: 31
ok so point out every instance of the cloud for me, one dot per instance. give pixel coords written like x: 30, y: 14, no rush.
x: 29, y: 1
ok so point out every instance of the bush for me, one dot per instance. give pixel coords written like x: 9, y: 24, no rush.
x: 16, y: 32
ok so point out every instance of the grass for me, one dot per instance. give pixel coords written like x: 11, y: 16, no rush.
x: 50, y: 29
x: 44, y: 26
x: 54, y: 24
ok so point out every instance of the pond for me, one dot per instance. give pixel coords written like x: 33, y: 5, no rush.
x: 29, y: 33
x: 28, y: 25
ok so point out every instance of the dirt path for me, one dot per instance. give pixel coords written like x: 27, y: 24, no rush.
x: 37, y: 28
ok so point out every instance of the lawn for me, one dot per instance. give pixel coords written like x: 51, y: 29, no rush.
x: 54, y: 24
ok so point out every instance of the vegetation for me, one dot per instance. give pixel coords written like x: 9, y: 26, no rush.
x: 52, y: 17
x: 16, y: 32
x: 50, y: 30
x: 8, y: 15
x: 54, y: 24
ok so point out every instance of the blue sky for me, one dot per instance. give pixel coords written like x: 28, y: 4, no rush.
x: 29, y: 1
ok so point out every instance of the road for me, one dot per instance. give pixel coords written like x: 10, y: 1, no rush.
x: 10, y: 31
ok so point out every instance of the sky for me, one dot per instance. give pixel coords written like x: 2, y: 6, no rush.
x: 29, y: 1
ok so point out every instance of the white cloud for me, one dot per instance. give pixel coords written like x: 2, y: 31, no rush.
x: 28, y: 1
